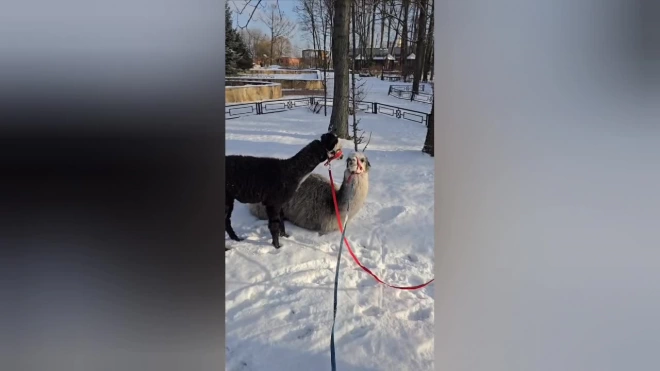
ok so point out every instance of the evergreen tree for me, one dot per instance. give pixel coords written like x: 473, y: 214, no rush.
x: 237, y: 55
x: 244, y: 61
x: 230, y: 44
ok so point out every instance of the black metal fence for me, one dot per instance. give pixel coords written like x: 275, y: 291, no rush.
x: 422, y: 87
x: 405, y: 92
x: 236, y: 110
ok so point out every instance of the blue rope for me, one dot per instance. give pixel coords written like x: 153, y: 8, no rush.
x: 333, y: 363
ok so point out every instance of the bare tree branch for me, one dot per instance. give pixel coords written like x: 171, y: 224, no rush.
x: 257, y: 5
x: 278, y: 25
x: 369, y: 140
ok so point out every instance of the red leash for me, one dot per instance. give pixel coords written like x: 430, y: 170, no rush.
x: 348, y: 246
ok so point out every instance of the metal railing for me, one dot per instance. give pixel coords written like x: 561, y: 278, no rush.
x: 405, y: 92
x: 236, y: 110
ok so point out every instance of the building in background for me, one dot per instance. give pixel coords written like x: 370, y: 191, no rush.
x: 313, y: 58
x: 291, y: 62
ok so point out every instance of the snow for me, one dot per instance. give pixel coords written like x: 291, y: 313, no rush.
x: 279, y: 302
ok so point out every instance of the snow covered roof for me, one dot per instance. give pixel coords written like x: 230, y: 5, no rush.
x: 411, y: 56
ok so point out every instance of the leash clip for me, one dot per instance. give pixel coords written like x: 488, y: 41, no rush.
x: 337, y: 155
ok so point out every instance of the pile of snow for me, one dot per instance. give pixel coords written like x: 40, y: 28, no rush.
x: 279, y: 302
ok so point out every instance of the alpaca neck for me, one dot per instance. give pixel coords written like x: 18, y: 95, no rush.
x: 352, y: 194
x: 305, y: 161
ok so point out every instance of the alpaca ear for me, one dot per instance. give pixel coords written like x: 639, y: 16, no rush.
x: 329, y: 136
x: 329, y: 140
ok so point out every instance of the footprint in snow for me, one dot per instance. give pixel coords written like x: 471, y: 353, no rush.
x: 359, y: 332
x: 389, y: 213
x: 299, y: 334
x: 391, y: 267
x: 373, y: 312
x: 297, y: 314
x: 368, y: 282
x: 421, y: 314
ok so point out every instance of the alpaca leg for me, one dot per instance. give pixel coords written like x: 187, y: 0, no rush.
x: 229, y: 207
x: 274, y: 224
x: 282, y: 228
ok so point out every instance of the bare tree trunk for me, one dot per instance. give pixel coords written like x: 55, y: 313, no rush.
x: 350, y: 34
x: 272, y: 37
x: 429, y: 46
x: 321, y: 26
x: 272, y: 46
x: 325, y: 63
x: 373, y: 31
x: 428, y: 142
x: 413, y: 29
x: 382, y: 22
x: 419, y: 53
x: 353, y: 80
x: 432, y: 57
x: 396, y: 29
x: 309, y: 7
x: 404, y: 39
x: 331, y: 24
x: 389, y: 31
x: 339, y: 116
x: 364, y: 36
x: 314, y: 47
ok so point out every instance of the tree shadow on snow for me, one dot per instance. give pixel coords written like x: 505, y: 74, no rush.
x: 256, y: 131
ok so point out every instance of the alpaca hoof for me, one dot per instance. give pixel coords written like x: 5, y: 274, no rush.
x: 236, y: 238
x: 226, y: 249
x: 282, y: 234
x: 277, y: 246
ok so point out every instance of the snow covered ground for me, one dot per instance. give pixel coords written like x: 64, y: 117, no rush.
x: 375, y: 90
x: 279, y: 302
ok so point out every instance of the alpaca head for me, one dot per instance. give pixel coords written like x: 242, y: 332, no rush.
x: 331, y: 144
x: 357, y: 163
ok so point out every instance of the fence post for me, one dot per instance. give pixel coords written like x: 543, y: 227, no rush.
x: 374, y: 107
